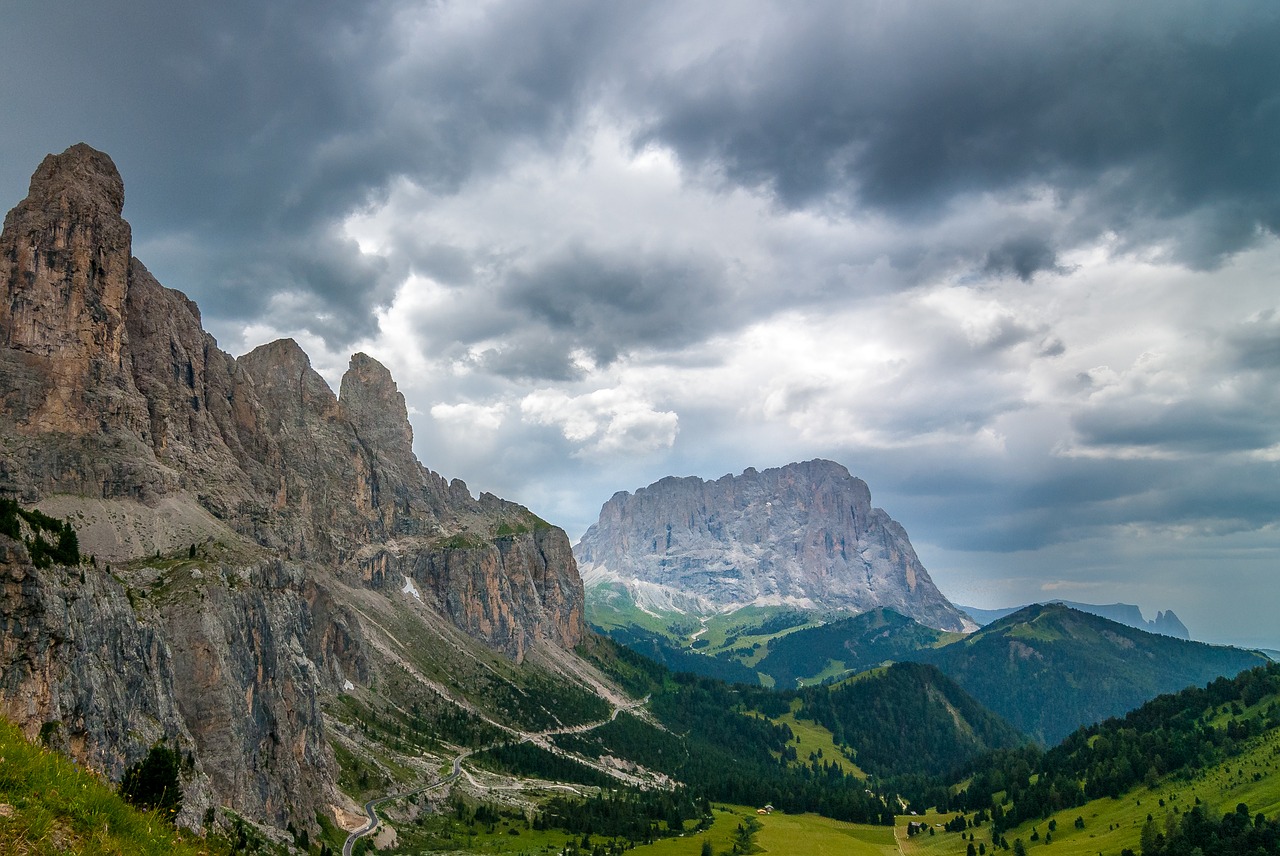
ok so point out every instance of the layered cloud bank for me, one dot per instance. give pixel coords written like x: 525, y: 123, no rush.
x: 1012, y: 265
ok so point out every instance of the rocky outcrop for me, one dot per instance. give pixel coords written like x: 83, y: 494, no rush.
x: 803, y: 535
x: 220, y: 673
x: 64, y: 266
x: 1168, y: 624
x: 118, y: 411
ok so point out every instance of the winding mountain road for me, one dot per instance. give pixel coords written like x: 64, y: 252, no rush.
x: 370, y: 808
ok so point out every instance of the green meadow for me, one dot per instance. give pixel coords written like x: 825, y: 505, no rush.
x: 815, y: 738
x: 781, y: 835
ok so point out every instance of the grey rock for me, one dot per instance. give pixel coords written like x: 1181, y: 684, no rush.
x: 804, y: 535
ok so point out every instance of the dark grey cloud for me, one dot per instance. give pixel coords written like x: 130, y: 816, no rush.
x: 1230, y: 411
x: 548, y: 317
x: 252, y: 129
x: 1255, y: 345
x: 1022, y: 257
x: 1154, y: 118
x: 1185, y: 426
x: 609, y: 303
x: 1076, y: 500
x: 257, y: 127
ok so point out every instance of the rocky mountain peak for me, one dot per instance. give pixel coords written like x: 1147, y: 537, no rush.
x: 282, y: 373
x: 803, y: 535
x: 64, y: 279
x: 373, y: 404
x: 283, y: 504
x: 79, y: 180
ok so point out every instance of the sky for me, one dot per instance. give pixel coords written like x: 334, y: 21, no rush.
x: 1014, y: 264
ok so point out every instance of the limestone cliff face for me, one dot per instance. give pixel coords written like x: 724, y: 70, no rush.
x: 119, y: 411
x: 222, y: 673
x: 804, y: 534
x: 64, y: 264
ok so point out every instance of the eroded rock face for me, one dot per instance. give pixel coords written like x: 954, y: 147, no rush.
x: 221, y: 673
x: 118, y: 409
x: 64, y: 265
x: 804, y: 534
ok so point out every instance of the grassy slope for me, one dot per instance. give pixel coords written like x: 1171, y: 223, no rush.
x: 1110, y: 825
x: 50, y: 805
x: 812, y: 738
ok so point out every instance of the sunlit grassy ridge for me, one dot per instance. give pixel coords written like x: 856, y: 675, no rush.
x: 49, y: 805
x: 813, y: 738
x: 1111, y: 825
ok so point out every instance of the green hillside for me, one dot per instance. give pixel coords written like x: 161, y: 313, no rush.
x: 1049, y: 669
x: 1195, y: 769
x: 1110, y: 825
x: 735, y: 744
x: 660, y: 648
x: 1175, y: 737
x: 847, y: 645
x: 49, y: 805
x: 907, y: 719
x: 726, y: 646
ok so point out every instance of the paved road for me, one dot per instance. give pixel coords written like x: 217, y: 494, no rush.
x: 372, y: 823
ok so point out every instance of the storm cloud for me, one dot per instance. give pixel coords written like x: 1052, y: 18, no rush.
x: 1012, y: 263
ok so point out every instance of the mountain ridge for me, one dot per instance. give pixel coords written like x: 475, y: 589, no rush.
x: 1050, y: 669
x: 1165, y: 623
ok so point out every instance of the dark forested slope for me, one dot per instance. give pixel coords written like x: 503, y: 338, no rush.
x: 1050, y: 669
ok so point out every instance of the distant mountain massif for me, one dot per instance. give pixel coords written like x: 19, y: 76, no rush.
x: 804, y: 536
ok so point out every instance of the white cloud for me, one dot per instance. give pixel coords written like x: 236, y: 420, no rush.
x: 603, y: 423
x: 465, y: 417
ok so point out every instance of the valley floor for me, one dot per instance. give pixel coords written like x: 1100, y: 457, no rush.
x: 1110, y: 825
x: 779, y: 835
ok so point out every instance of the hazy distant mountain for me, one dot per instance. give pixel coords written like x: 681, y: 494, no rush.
x: 1165, y: 622
x: 804, y: 535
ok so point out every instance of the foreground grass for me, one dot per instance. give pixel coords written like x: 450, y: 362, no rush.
x: 49, y: 805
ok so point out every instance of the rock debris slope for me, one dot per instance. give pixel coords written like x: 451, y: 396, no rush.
x: 803, y: 535
x: 120, y: 413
